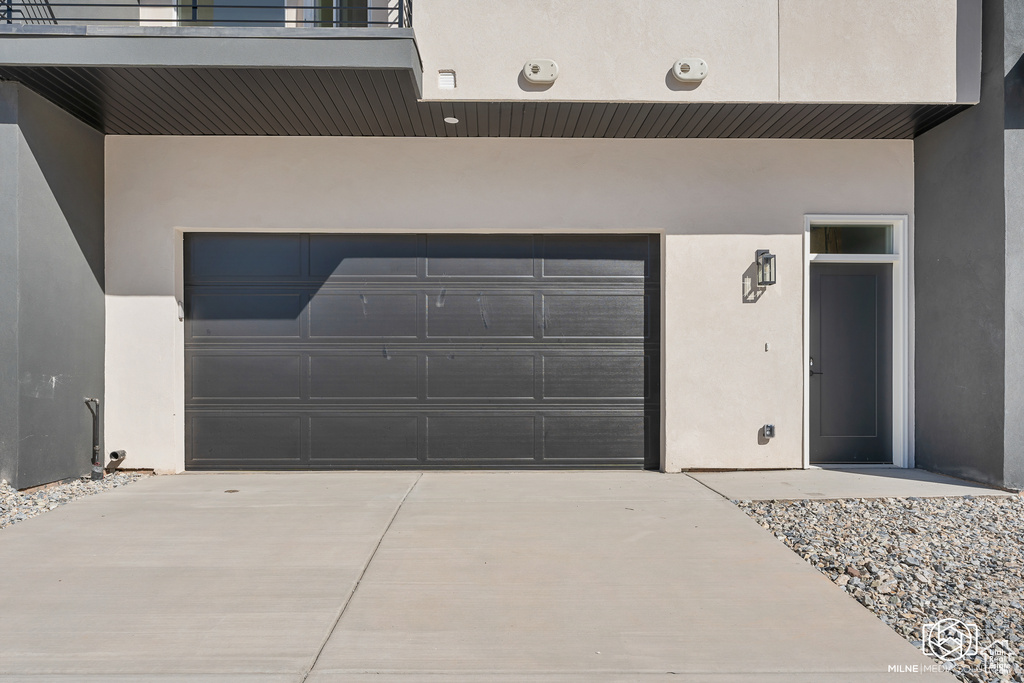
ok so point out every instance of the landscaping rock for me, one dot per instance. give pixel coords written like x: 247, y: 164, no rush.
x: 17, y: 506
x: 913, y: 561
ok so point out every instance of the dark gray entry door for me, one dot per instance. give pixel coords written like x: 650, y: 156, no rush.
x: 851, y: 363
x: 371, y: 351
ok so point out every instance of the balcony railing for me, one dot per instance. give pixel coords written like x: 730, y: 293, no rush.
x: 240, y: 13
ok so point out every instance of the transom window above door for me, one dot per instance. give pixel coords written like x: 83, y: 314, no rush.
x: 851, y: 239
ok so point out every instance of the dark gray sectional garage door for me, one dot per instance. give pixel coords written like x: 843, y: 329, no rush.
x: 345, y: 351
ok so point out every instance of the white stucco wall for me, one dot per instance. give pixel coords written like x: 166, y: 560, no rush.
x: 756, y: 50
x: 716, y: 202
x: 606, y: 50
x: 868, y: 50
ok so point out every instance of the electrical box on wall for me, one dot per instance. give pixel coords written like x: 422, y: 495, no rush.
x: 540, y: 71
x: 690, y: 70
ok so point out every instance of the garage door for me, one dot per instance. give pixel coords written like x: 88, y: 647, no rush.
x: 417, y: 351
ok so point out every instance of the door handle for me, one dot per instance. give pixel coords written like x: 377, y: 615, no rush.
x: 812, y: 370
x: 813, y: 373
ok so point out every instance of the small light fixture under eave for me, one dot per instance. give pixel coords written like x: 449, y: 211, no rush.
x: 765, y: 268
x: 451, y: 120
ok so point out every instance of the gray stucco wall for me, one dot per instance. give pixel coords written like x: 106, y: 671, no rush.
x: 8, y: 284
x: 969, y: 245
x: 1014, y: 428
x: 60, y: 314
x: 1013, y: 159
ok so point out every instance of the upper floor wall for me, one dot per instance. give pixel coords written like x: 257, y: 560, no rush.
x: 794, y: 51
x: 871, y: 51
x: 884, y: 69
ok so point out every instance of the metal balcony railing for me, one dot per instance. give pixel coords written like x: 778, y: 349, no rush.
x: 240, y: 13
x: 29, y: 12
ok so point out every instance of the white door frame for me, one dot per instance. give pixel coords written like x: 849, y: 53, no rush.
x: 901, y: 451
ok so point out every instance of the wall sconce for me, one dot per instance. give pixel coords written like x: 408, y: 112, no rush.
x: 765, y: 267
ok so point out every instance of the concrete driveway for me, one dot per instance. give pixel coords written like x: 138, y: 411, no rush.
x: 447, y: 576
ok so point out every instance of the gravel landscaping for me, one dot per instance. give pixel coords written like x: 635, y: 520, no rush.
x: 16, y: 506
x: 920, y: 560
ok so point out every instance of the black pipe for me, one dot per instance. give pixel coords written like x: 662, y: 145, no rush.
x: 97, y: 458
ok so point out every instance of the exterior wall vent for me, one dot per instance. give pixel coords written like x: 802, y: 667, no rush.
x: 543, y: 71
x: 690, y: 70
x: 446, y: 79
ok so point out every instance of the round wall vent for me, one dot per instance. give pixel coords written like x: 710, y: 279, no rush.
x: 690, y: 70
x: 540, y: 71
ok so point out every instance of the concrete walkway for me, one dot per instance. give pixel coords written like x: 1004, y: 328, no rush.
x: 863, y: 482
x: 450, y: 576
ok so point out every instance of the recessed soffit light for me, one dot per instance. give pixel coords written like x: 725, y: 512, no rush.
x: 451, y: 119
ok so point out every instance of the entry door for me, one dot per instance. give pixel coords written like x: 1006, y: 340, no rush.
x: 851, y: 363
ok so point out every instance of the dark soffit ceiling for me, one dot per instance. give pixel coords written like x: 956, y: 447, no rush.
x: 382, y: 102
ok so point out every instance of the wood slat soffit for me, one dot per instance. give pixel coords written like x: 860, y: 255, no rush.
x: 382, y: 102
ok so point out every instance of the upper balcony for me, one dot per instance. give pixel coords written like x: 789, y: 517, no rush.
x: 187, y: 67
x: 210, y: 13
x: 777, y: 68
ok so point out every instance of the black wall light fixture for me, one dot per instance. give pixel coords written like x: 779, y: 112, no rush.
x: 765, y: 268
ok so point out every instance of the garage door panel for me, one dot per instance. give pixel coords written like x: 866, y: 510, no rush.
x: 480, y: 256
x: 619, y: 256
x: 215, y: 257
x: 421, y: 351
x: 598, y: 437
x: 598, y: 315
x: 246, y: 376
x: 363, y: 438
x: 355, y: 256
x: 480, y: 315
x: 363, y: 315
x: 480, y: 438
x: 595, y: 376
x: 245, y: 439
x: 245, y: 315
x: 363, y: 375
x: 456, y: 374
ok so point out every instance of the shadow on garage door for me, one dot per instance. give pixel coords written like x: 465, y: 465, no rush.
x: 315, y: 351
